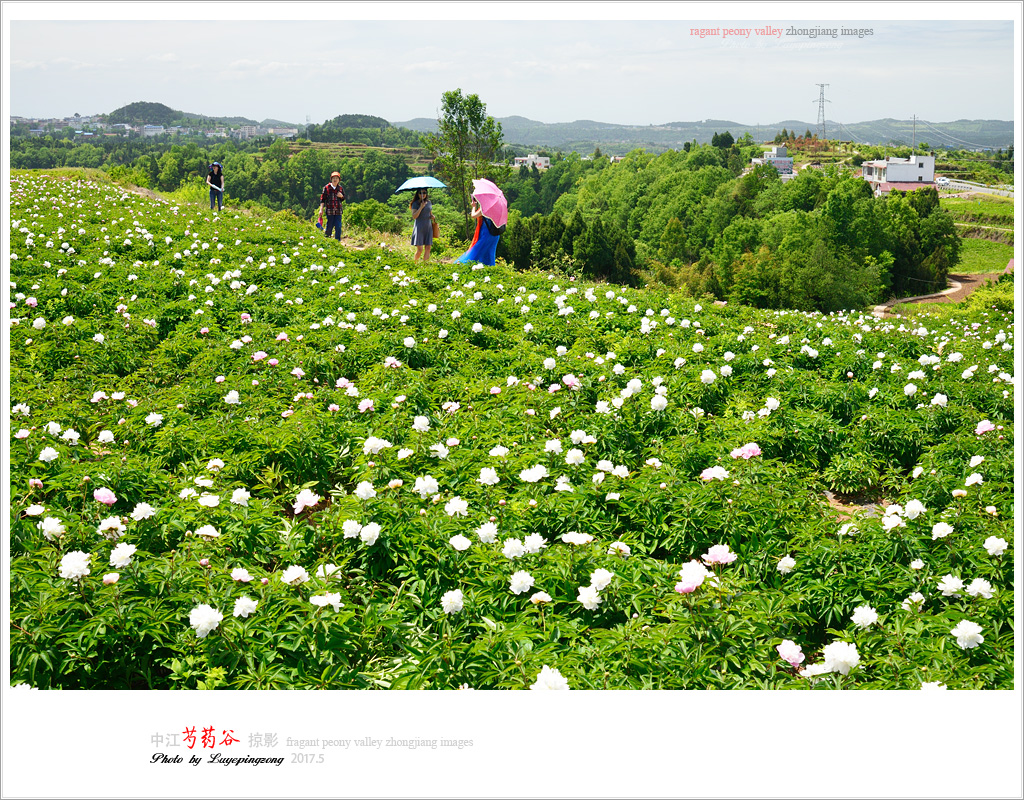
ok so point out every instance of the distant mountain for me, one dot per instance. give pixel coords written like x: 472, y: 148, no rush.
x: 159, y: 114
x: 585, y: 135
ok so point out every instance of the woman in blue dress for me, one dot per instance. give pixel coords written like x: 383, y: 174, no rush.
x: 485, y: 240
x: 422, y: 227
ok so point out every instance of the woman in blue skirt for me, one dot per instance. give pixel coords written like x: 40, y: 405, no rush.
x: 485, y: 240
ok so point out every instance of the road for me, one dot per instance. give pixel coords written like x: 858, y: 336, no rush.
x: 968, y: 186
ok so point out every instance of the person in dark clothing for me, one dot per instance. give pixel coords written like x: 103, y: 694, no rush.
x: 331, y: 198
x: 215, y: 180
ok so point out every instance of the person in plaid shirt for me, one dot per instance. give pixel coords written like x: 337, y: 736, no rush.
x: 331, y: 198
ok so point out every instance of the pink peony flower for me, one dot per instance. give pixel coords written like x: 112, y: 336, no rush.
x: 715, y: 473
x: 719, y: 554
x: 984, y: 427
x: 790, y: 651
x: 747, y: 451
x: 105, y: 496
x: 691, y: 576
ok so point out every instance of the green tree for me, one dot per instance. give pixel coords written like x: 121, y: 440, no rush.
x: 278, y: 151
x: 673, y: 241
x: 465, y: 145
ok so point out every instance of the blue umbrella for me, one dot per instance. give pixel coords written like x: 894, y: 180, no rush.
x: 424, y: 182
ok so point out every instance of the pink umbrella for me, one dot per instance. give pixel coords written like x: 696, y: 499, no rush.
x: 492, y: 201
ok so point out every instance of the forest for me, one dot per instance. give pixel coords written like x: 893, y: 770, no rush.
x: 687, y: 219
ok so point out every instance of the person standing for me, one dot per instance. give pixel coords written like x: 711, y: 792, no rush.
x: 422, y: 226
x: 331, y: 198
x: 484, y: 246
x: 215, y: 180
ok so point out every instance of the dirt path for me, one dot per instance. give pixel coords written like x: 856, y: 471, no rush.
x: 962, y: 287
x: 968, y: 285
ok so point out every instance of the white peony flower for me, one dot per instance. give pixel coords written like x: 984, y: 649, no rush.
x: 600, y: 579
x: 244, y: 606
x: 365, y: 491
x: 995, y: 546
x: 550, y: 679
x: 369, y: 533
x: 456, y: 507
x: 204, y: 619
x: 488, y: 532
x: 459, y: 542
x: 950, y: 585
x: 294, y: 575
x: 121, y: 556
x: 452, y: 602
x: 940, y: 530
x: 74, y: 565
x: 968, y: 634
x: 521, y: 582
x: 332, y: 599
x: 840, y: 657
x: 588, y: 597
x: 864, y: 616
x: 52, y: 528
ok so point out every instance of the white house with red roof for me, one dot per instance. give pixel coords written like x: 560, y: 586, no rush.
x: 904, y: 174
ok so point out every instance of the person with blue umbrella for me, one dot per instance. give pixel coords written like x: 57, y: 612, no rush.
x: 423, y: 219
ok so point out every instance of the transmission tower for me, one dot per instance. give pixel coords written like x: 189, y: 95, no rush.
x: 821, y: 110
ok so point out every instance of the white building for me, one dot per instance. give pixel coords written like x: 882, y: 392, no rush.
x: 905, y: 174
x: 152, y: 130
x: 778, y: 158
x: 533, y: 160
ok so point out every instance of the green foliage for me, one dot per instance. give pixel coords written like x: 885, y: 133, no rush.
x: 362, y: 129
x: 372, y: 215
x: 172, y: 314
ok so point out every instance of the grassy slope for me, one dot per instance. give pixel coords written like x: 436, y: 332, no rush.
x: 841, y: 422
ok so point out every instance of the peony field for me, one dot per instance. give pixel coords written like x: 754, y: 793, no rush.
x: 243, y: 456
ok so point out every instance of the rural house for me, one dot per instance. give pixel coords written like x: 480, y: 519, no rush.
x: 778, y: 158
x: 905, y: 174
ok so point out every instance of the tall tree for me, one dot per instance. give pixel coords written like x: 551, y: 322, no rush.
x: 465, y: 145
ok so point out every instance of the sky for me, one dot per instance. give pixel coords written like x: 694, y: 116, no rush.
x: 551, y: 62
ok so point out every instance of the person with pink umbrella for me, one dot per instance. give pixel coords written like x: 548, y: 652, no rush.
x: 491, y: 212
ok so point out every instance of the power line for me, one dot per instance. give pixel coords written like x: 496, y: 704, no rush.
x: 950, y: 136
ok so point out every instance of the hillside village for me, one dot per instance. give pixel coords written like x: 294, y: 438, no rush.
x: 92, y: 126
